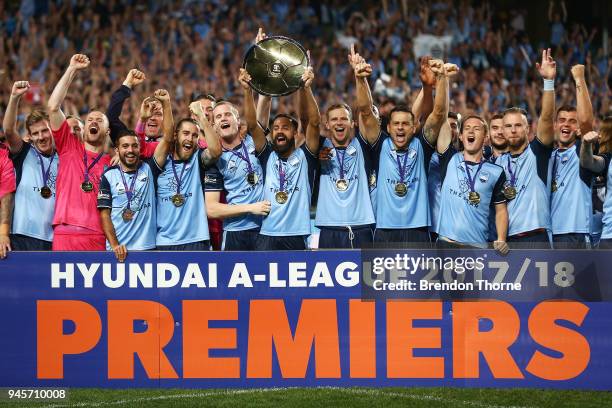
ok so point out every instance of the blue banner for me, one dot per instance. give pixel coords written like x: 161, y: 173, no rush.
x: 320, y: 318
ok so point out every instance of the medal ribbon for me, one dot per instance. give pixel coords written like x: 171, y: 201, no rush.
x: 45, y: 173
x: 93, y: 163
x: 512, y: 173
x: 179, y: 180
x: 281, y: 175
x: 341, y: 160
x: 402, y: 167
x: 472, y: 181
x: 244, y: 156
x: 129, y: 192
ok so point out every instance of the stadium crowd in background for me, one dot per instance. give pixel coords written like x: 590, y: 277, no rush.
x: 409, y: 139
x: 189, y: 47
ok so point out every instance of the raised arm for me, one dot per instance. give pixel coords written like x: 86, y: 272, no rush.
x: 264, y: 102
x: 314, y: 117
x: 165, y: 143
x: 423, y: 104
x: 435, y: 120
x: 10, y: 116
x: 548, y: 70
x: 444, y: 138
x: 213, y: 143
x: 56, y: 116
x: 584, y: 107
x: 113, y: 112
x: 250, y: 114
x: 588, y: 160
x: 362, y: 71
x: 264, y: 106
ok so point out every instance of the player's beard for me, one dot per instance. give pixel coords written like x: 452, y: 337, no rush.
x: 499, y: 146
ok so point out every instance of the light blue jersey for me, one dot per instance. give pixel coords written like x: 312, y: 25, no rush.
x: 434, y: 187
x: 571, y: 206
x: 459, y: 219
x: 231, y: 174
x: 33, y: 214
x: 344, y: 195
x: 606, y: 232
x: 187, y: 223
x: 530, y: 209
x: 293, y: 216
x: 411, y: 209
x: 139, y: 232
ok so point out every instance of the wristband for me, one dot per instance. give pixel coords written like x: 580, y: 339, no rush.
x: 549, y: 85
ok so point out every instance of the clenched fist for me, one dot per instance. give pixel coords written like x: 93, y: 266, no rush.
x: 79, y: 61
x: 20, y: 87
x: 578, y: 72
x: 590, y: 137
x: 162, y: 95
x: 134, y: 78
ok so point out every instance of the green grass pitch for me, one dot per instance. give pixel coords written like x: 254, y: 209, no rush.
x: 328, y: 397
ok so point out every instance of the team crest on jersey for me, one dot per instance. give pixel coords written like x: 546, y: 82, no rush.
x: 232, y: 165
x: 484, y: 176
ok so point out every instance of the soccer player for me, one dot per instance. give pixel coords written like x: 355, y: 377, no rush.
x: 7, y: 188
x: 289, y: 173
x: 600, y: 164
x: 239, y: 174
x: 402, y: 156
x: 472, y: 187
x: 499, y: 144
x: 571, y: 205
x: 77, y: 125
x: 151, y: 114
x: 215, y: 225
x: 526, y: 167
x: 126, y: 200
x: 344, y: 209
x: 149, y: 126
x: 36, y: 172
x: 434, y: 178
x: 76, y: 225
x: 181, y: 210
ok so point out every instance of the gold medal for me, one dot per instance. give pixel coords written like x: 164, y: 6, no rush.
x: 45, y: 192
x: 252, y: 178
x: 87, y: 186
x: 127, y: 215
x: 474, y: 198
x: 372, y: 180
x: 401, y: 189
x: 178, y: 200
x: 510, y: 192
x: 554, y: 186
x: 281, y: 197
x: 342, y: 184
